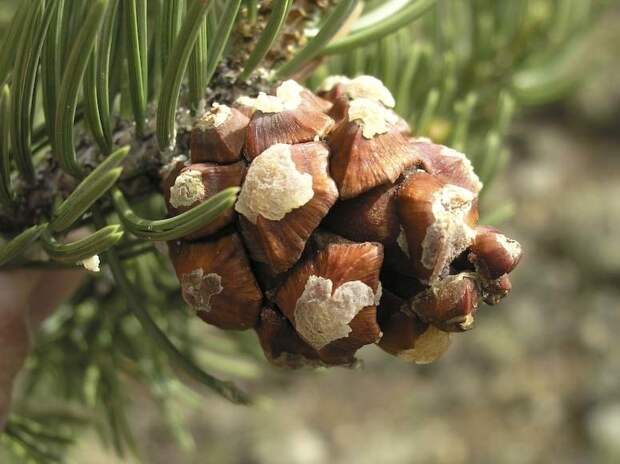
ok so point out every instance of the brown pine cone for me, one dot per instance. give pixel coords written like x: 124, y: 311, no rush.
x: 338, y: 202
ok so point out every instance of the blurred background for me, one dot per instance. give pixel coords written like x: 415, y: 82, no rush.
x: 537, y: 381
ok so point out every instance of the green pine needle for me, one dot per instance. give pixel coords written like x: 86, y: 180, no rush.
x: 380, y: 27
x: 93, y: 187
x: 278, y: 16
x: 226, y: 24
x: 24, y: 82
x: 135, y: 20
x: 79, y: 250
x: 6, y: 193
x: 19, y: 245
x: 68, y: 94
x: 178, y: 226
x: 318, y: 43
x: 175, y: 70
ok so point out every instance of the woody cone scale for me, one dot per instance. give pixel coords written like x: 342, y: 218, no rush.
x: 348, y: 230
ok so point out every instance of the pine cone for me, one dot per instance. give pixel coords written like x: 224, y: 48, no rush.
x: 338, y: 202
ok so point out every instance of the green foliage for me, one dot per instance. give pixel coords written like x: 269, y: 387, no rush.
x: 179, y: 226
x: 84, y: 75
x: 268, y: 37
x: 64, y: 148
x: 79, y: 250
x: 89, y: 191
x: 333, y: 23
x: 32, y: 441
x: 14, y: 248
x: 28, y: 52
x: 175, y: 70
x: 6, y: 193
x: 460, y: 73
x: 379, y: 23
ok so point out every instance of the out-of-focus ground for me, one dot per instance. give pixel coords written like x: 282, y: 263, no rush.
x: 537, y: 381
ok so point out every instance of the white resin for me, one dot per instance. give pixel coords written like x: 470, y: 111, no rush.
x: 449, y: 234
x: 370, y: 115
x: 217, y: 116
x: 322, y: 317
x: 430, y: 346
x: 91, y: 264
x: 187, y: 189
x: 273, y: 186
x: 371, y: 88
x: 287, y: 98
x: 332, y: 81
x: 512, y: 247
